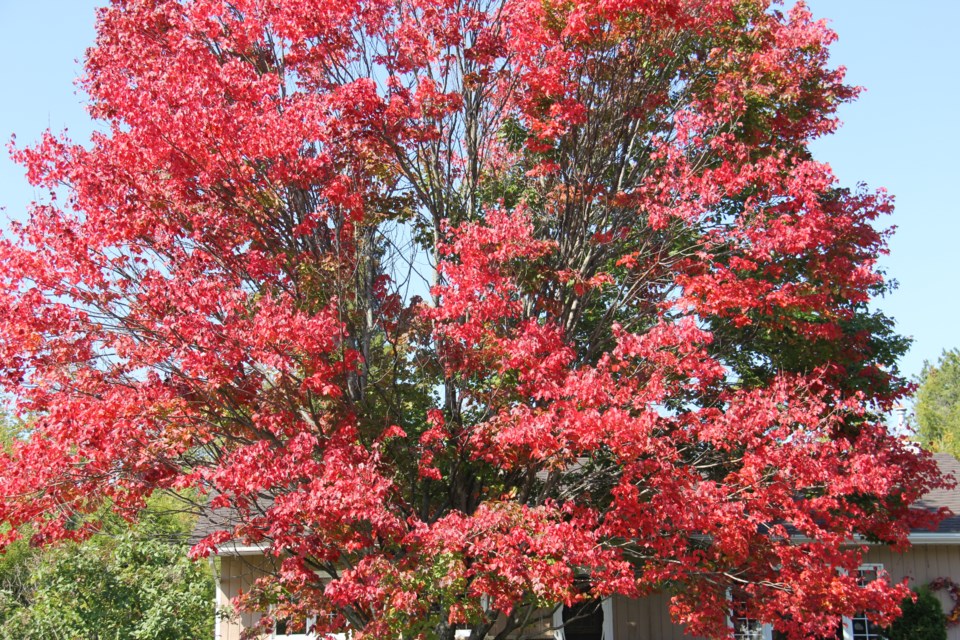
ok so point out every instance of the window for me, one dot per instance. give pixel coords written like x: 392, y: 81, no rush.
x: 583, y: 621
x: 859, y: 627
x: 591, y: 620
x: 744, y: 627
x: 285, y: 629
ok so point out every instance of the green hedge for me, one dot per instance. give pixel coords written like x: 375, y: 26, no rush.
x: 923, y: 619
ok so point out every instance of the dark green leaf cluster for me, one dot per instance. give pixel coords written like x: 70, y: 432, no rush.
x: 125, y: 583
x: 922, y: 619
x: 937, y: 406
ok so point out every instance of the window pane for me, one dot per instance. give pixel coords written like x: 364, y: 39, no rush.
x: 863, y: 628
x: 747, y: 629
x: 287, y: 627
x: 583, y: 621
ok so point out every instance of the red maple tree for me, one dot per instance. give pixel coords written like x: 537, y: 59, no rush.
x: 476, y: 306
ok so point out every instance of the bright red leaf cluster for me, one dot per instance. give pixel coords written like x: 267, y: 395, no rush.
x: 475, y: 305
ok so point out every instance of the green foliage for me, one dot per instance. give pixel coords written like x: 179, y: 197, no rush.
x: 937, y: 406
x: 126, y: 583
x: 922, y: 619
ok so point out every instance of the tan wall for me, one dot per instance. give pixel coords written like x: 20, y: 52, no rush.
x: 643, y: 619
x: 649, y: 618
x: 237, y: 574
x: 920, y: 565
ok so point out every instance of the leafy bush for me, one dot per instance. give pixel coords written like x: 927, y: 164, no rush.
x: 125, y: 583
x: 922, y: 619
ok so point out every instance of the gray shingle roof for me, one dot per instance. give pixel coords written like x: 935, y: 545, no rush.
x: 222, y: 519
x: 949, y: 498
x: 227, y: 518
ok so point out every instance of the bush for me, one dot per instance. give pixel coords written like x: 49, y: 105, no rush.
x: 922, y: 619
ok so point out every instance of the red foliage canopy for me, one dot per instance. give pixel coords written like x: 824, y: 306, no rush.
x: 474, y: 305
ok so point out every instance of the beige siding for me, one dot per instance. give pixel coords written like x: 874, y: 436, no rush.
x: 237, y: 574
x: 649, y: 618
x: 644, y: 619
x: 919, y: 566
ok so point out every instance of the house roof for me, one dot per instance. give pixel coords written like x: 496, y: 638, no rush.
x: 949, y: 498
x: 226, y: 518
x: 211, y: 521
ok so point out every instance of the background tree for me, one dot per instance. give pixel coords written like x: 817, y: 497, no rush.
x: 127, y: 584
x: 123, y: 583
x: 476, y: 307
x: 937, y: 404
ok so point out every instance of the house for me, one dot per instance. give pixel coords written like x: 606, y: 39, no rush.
x: 934, y: 555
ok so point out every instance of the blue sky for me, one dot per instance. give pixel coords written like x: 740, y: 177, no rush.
x: 903, y: 133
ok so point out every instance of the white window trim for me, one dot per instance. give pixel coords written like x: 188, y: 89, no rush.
x: 606, y: 605
x: 217, y: 596
x: 312, y: 620
x: 311, y: 636
x: 847, y: 625
x: 766, y: 629
x: 848, y: 622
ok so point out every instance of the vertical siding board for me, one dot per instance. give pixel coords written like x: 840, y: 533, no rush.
x: 909, y: 565
x: 623, y: 609
x: 238, y: 573
x: 947, y: 564
x: 655, y: 611
x: 950, y: 568
x: 666, y: 624
x: 662, y: 618
x: 926, y: 563
x: 244, y: 571
x: 640, y: 625
x: 636, y: 627
x: 231, y: 627
x: 953, y: 572
x: 647, y: 619
x: 655, y: 607
x: 621, y: 618
x: 924, y: 560
x: 620, y: 629
x: 658, y: 611
x: 235, y: 586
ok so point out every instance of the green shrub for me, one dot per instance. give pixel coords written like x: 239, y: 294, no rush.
x: 923, y: 619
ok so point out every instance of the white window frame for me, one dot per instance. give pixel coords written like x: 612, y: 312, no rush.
x: 766, y: 629
x: 606, y: 605
x: 311, y: 621
x: 847, y: 623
